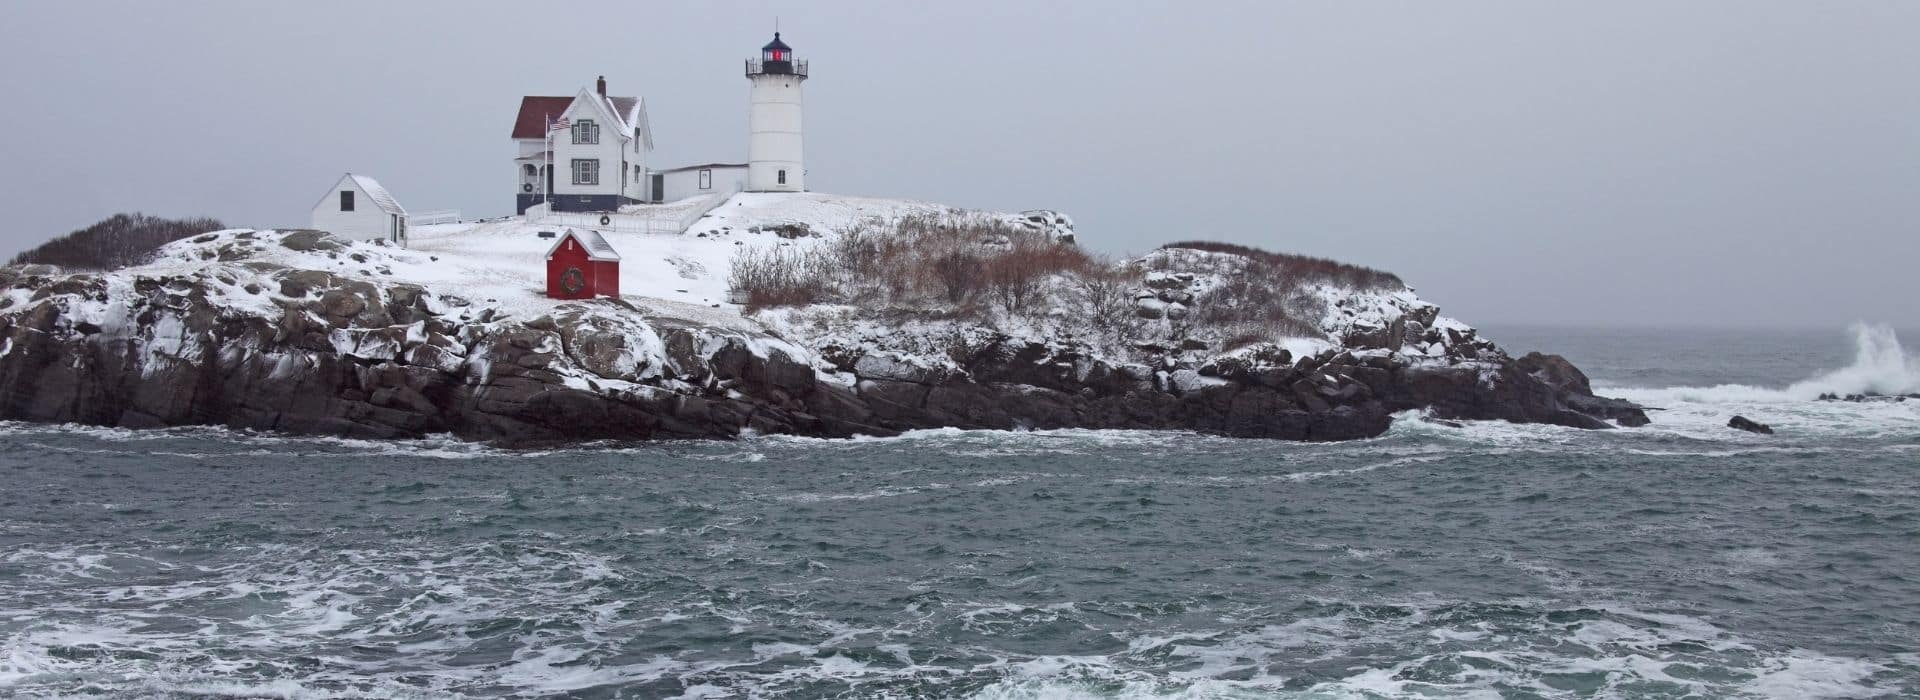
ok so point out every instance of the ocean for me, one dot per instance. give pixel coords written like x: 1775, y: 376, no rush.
x: 1682, y: 559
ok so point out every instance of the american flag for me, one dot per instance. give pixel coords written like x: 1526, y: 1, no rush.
x: 558, y: 124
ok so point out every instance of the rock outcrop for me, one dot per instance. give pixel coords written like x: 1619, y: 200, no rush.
x: 240, y: 342
x: 1749, y: 425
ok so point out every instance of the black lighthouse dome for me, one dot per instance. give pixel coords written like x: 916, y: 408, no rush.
x: 776, y: 58
x: 776, y: 50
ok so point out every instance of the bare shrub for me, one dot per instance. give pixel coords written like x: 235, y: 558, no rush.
x: 1107, y: 289
x: 1301, y: 268
x: 1016, y: 276
x: 958, y: 273
x: 781, y: 276
x: 858, y: 263
x: 1254, y: 298
x: 118, y: 241
x: 858, y: 251
x: 1011, y: 281
x: 932, y: 263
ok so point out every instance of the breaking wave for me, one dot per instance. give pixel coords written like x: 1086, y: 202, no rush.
x: 1881, y: 365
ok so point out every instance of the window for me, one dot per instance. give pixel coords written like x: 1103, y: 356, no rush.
x: 585, y: 131
x: 783, y: 177
x: 586, y: 171
x: 346, y: 200
x: 706, y: 179
x: 530, y: 170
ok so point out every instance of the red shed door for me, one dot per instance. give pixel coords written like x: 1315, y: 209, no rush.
x: 606, y: 278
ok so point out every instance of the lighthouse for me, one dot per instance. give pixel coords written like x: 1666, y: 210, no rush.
x: 774, y: 151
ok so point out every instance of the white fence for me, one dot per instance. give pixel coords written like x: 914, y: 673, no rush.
x: 437, y: 216
x: 601, y: 221
x: 713, y: 202
x: 642, y: 219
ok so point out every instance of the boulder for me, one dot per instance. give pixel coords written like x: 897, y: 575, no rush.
x: 1749, y: 425
x: 895, y: 367
x: 1370, y: 337
x: 1557, y: 372
x: 309, y: 240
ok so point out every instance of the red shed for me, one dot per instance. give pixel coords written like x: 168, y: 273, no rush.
x: 582, y: 265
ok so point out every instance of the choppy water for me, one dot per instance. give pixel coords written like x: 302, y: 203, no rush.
x: 1682, y: 559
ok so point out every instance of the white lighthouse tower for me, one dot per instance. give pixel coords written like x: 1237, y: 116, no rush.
x: 774, y: 152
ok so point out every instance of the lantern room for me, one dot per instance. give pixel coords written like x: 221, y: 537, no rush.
x: 776, y: 50
x: 776, y: 58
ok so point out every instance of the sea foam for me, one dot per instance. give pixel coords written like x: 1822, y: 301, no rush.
x: 1881, y: 365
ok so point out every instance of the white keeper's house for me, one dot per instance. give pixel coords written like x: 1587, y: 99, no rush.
x: 588, y: 153
x: 358, y: 208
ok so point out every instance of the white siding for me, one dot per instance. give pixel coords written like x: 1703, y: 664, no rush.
x: 636, y: 157
x: 365, y: 223
x: 618, y: 153
x: 676, y: 185
x: 607, y: 152
x: 774, y: 127
x: 528, y: 147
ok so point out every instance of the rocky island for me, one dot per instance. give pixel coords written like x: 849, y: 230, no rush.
x: 857, y: 317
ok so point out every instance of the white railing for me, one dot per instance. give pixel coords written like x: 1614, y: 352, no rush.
x: 623, y: 223
x: 633, y: 222
x: 713, y: 202
x: 437, y: 216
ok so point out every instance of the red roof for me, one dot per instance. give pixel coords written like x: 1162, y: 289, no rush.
x: 534, y: 113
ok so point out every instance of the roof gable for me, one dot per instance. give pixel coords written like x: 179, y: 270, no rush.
x: 633, y: 112
x: 587, y: 105
x: 596, y: 245
x: 367, y: 186
x: 630, y: 113
x: 603, y: 108
x: 378, y: 194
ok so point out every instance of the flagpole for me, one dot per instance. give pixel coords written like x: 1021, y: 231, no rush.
x: 546, y: 180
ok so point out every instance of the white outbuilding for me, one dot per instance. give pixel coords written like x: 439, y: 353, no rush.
x: 358, y: 208
x: 696, y: 180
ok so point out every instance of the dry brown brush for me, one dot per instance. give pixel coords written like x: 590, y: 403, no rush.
x: 1301, y: 269
x: 781, y: 276
x: 939, y: 262
x: 118, y: 241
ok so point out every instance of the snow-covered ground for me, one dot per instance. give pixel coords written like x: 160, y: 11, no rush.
x: 466, y: 304
x: 686, y: 273
x: 496, y: 271
x: 503, y: 263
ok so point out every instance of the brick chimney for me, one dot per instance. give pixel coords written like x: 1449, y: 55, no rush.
x: 602, y: 85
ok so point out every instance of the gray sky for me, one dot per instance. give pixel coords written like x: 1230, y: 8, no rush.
x: 1716, y: 163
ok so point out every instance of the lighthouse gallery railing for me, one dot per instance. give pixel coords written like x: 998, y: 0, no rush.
x: 757, y: 66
